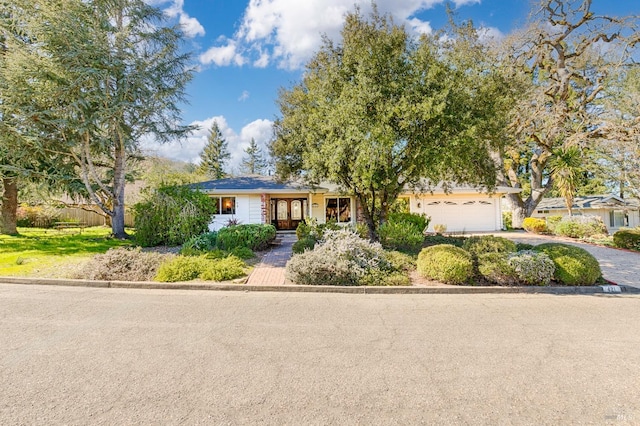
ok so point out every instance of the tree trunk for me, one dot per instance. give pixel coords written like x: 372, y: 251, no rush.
x: 117, y: 219
x: 9, y: 206
x: 368, y: 219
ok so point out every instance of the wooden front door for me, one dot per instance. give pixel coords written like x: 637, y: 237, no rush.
x: 289, y: 212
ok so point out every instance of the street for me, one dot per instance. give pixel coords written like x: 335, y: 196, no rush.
x: 114, y: 356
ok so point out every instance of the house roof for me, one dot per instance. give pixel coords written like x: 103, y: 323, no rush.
x: 588, y: 202
x: 255, y: 184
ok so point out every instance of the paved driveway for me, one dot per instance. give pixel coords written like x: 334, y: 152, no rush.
x: 113, y: 356
x: 619, y: 266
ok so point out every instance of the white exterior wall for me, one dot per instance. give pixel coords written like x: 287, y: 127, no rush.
x: 634, y: 218
x: 248, y: 210
x: 460, y: 212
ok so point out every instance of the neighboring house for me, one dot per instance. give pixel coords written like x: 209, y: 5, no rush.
x: 261, y: 199
x: 614, y: 211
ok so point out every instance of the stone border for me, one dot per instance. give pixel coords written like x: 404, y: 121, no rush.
x: 148, y: 285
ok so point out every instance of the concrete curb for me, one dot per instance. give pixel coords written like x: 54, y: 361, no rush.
x: 602, y: 289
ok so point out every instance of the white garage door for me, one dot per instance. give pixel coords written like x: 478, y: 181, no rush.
x: 461, y: 215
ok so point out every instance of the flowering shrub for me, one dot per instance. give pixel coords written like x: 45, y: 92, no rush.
x: 532, y: 268
x: 580, y: 226
x: 535, y: 225
x: 340, y: 258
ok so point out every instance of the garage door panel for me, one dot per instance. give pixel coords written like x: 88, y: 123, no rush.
x: 461, y: 215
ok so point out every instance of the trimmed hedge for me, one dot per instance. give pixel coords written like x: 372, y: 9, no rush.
x: 488, y: 244
x: 574, y: 265
x: 627, y: 239
x: 446, y: 263
x: 495, y: 268
x: 253, y: 236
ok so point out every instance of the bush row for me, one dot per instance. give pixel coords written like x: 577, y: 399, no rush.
x: 502, y: 262
x: 581, y: 226
x: 133, y: 264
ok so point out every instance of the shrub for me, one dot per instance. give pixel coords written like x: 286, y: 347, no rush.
x: 310, y: 228
x: 507, y: 220
x: 202, y: 242
x: 532, y: 268
x: 242, y: 253
x: 580, y: 226
x: 382, y: 278
x: 627, y: 238
x: 401, y: 236
x: 535, y: 225
x: 304, y: 244
x: 419, y: 221
x: 341, y: 258
x: 124, y: 264
x: 495, y: 268
x: 524, y: 246
x: 223, y: 269
x: 574, y: 265
x: 434, y: 240
x: 183, y: 268
x: 36, y: 216
x: 400, y: 261
x: 171, y: 216
x: 488, y: 244
x: 552, y: 221
x: 253, y: 236
x: 446, y: 263
x: 439, y: 228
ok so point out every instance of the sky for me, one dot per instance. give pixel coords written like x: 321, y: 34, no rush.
x: 246, y: 51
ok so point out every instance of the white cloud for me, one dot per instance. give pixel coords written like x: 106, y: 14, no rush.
x: 189, y: 150
x: 288, y: 32
x: 223, y: 55
x: 244, y: 96
x: 190, y: 26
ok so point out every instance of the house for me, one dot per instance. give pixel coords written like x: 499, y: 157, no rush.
x: 614, y: 211
x: 261, y: 199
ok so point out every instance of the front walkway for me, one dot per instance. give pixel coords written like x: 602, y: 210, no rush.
x: 270, y: 271
x: 618, y: 266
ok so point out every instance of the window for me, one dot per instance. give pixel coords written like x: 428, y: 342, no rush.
x: 296, y: 210
x: 224, y: 205
x: 616, y: 219
x: 338, y: 209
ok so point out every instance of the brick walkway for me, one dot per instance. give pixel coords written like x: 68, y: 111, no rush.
x: 270, y: 271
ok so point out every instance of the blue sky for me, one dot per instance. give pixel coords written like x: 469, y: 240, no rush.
x: 245, y: 51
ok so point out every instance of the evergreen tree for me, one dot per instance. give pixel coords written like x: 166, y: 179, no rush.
x: 215, y: 154
x: 253, y: 163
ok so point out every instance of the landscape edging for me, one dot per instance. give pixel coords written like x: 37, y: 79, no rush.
x: 150, y: 285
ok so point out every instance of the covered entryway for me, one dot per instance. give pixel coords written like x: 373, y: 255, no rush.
x: 287, y: 213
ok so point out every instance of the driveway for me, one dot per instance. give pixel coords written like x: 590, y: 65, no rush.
x: 114, y: 356
x: 618, y: 266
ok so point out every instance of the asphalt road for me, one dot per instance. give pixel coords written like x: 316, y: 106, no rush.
x: 107, y: 356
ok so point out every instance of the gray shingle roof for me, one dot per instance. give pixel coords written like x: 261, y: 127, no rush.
x: 253, y: 184
x: 587, y: 202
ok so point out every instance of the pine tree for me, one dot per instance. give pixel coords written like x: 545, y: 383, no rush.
x: 214, y: 154
x: 254, y: 162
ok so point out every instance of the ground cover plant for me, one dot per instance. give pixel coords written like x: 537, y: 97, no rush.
x: 187, y: 268
x: 52, y: 253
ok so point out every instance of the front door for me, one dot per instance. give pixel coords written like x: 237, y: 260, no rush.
x: 289, y: 212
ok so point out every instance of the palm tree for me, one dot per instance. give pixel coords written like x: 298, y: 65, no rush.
x: 565, y: 172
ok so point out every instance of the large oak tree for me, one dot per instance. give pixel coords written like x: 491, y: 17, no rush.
x: 379, y: 112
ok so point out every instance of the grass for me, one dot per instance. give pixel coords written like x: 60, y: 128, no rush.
x: 41, y: 252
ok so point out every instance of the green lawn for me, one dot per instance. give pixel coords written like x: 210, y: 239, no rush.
x: 51, y: 253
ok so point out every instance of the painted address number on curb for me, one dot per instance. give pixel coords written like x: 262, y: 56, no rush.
x: 611, y: 289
